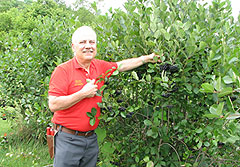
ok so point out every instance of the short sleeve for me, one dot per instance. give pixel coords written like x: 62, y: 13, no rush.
x: 58, y: 85
x: 109, y: 67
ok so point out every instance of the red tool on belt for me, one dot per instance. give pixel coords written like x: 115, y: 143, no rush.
x: 50, y: 141
x: 50, y: 131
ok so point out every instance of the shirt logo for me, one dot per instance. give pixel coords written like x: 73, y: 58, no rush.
x: 78, y: 83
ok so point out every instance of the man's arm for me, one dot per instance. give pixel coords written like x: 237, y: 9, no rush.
x: 57, y: 103
x: 132, y: 63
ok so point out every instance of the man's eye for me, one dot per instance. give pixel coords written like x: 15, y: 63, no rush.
x: 81, y: 42
x: 92, y: 42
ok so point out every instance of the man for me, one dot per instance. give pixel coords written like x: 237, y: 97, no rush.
x: 71, y: 97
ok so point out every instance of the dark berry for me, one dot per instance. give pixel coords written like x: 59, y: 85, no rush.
x: 4, y: 118
x: 166, y: 95
x: 109, y: 108
x: 165, y: 67
x: 173, y: 69
x: 119, y: 100
x: 129, y: 115
x: 106, y: 83
x: 150, y: 103
x: 122, y: 108
x: 220, y: 144
x: 118, y: 92
x: 233, y: 98
x: 169, y: 106
x: 175, y: 88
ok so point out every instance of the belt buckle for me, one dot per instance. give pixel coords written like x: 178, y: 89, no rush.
x: 87, y: 133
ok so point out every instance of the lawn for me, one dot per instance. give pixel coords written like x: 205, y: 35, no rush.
x: 16, y: 153
x: 4, y: 127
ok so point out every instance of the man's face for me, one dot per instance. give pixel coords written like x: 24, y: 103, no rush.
x: 85, y: 47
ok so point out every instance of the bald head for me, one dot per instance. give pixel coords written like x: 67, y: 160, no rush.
x: 83, y: 32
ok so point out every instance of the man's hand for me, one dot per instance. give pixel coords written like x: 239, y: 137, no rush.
x: 132, y: 63
x: 151, y: 58
x: 90, y: 89
x: 57, y: 103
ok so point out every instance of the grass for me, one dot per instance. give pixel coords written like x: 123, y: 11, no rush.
x: 4, y: 127
x: 17, y: 153
x: 25, y: 155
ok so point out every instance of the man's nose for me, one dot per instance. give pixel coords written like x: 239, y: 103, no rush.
x: 87, y: 45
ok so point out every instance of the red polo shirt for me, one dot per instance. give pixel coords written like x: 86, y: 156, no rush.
x: 69, y: 78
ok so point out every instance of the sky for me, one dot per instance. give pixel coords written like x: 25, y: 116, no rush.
x: 106, y: 4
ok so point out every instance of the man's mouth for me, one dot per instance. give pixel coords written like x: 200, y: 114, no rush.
x: 88, y: 51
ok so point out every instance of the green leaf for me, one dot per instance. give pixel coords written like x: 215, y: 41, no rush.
x: 116, y: 72
x: 149, y: 132
x: 211, y: 55
x: 218, y: 86
x: 207, y: 144
x: 225, y: 91
x: 148, y: 78
x: 234, y: 116
x: 100, y: 105
x: 188, y: 86
x: 94, y: 111
x: 233, y: 139
x: 167, y: 35
x: 102, y: 88
x: 135, y: 76
x: 230, y: 105
x: 233, y: 60
x: 227, y: 80
x: 123, y: 114
x: 207, y: 88
x: 211, y: 116
x: 150, y: 164
x: 199, y: 145
x: 146, y: 159
x: 187, y: 25
x: 98, y: 93
x: 153, y: 26
x: 199, y: 130
x: 92, y: 121
x: 213, y: 109
x: 220, y: 108
x: 108, y: 71
x: 155, y: 58
x: 163, y: 6
x: 202, y: 45
x: 89, y: 115
x: 101, y: 133
x: 137, y: 159
x: 157, y: 34
x: 147, y: 122
x: 107, y: 148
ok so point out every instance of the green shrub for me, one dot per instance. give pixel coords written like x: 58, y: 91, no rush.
x: 36, y: 40
x: 181, y: 111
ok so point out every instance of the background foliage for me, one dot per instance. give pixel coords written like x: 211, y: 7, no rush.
x: 183, y: 111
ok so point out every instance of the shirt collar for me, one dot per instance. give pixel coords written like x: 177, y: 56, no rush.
x: 76, y: 65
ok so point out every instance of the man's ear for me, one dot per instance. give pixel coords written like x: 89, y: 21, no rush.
x: 73, y: 47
